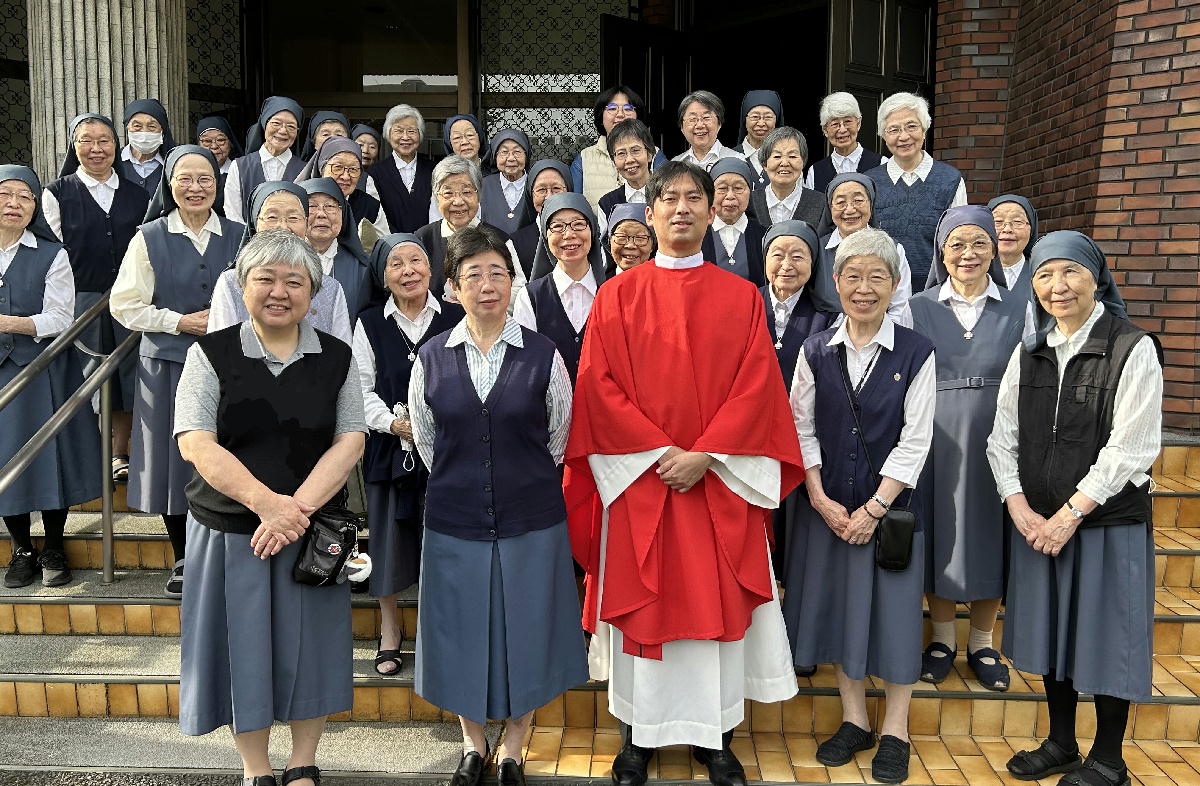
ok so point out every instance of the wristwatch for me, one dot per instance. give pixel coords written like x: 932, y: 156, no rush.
x: 1076, y: 512
x: 882, y: 502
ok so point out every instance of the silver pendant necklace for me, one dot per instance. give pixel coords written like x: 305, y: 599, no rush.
x: 968, y: 335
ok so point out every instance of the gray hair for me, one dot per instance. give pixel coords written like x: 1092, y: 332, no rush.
x: 708, y: 100
x: 837, y: 105
x: 272, y: 246
x: 456, y: 165
x: 782, y: 134
x: 868, y: 242
x: 399, y: 112
x: 897, y: 101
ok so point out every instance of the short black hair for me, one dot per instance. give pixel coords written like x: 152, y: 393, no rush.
x: 472, y: 241
x: 630, y: 128
x: 672, y: 170
x: 606, y: 97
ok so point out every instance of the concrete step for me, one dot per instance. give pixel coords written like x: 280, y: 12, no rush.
x: 138, y: 676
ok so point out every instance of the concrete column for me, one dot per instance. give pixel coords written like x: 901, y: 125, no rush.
x: 96, y: 57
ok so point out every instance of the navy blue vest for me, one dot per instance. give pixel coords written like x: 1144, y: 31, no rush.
x: 492, y: 475
x: 22, y: 292
x: 494, y: 208
x: 747, y: 252
x: 824, y: 173
x: 611, y: 200
x: 364, y: 206
x: 910, y: 213
x: 804, y: 322
x: 149, y: 182
x: 357, y: 282
x: 844, y: 471
x: 553, y: 323
x: 430, y: 236
x: 184, y: 280
x: 382, y: 460
x: 96, y: 241
x: 277, y: 435
x: 406, y: 211
x: 812, y: 209
x: 251, y: 174
x: 525, y: 241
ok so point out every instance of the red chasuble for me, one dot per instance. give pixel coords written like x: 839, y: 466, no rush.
x: 676, y: 357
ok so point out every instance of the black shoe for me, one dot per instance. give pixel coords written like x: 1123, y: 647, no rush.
x: 470, y: 769
x: 510, y: 773
x: 805, y: 671
x: 890, y: 764
x: 55, y: 572
x: 1095, y: 773
x: 936, y: 662
x: 297, y: 773
x: 21, y: 568
x: 174, y: 588
x: 841, y: 747
x: 1049, y: 759
x: 629, y: 765
x: 723, y: 767
x: 259, y: 780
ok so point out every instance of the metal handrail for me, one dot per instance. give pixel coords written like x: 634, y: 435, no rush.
x: 100, y: 378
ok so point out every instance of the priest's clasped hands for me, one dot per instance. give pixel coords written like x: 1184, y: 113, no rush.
x: 681, y: 469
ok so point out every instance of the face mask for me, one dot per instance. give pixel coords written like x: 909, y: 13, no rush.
x: 145, y: 142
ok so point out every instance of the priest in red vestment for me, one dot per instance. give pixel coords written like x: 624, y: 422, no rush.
x: 682, y: 441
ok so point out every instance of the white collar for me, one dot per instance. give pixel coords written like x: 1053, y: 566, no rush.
x: 175, y: 224
x: 740, y: 225
x: 330, y: 252
x: 714, y: 153
x: 27, y: 239
x: 947, y: 292
x: 391, y: 309
x: 630, y: 191
x: 749, y: 149
x: 679, y: 263
x: 791, y: 200
x: 448, y: 232
x: 127, y: 155
x: 562, y: 282
x: 509, y: 334
x: 922, y: 171
x: 1017, y: 265
x: 1056, y: 337
x: 854, y: 157
x: 226, y: 166
x: 506, y: 184
x: 886, y: 337
x: 790, y: 303
x: 114, y: 180
x: 264, y: 155
x: 835, y: 238
x: 401, y: 163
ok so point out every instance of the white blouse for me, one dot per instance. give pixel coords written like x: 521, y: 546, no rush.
x: 58, y: 298
x: 379, y: 415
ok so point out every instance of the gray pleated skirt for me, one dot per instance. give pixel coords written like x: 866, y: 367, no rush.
x: 499, y: 633
x: 67, y: 470
x: 841, y: 608
x: 103, y: 335
x: 256, y: 646
x: 1088, y: 613
x: 395, y: 546
x: 157, y: 472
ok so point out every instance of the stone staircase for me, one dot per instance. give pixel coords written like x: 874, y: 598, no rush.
x: 89, y: 680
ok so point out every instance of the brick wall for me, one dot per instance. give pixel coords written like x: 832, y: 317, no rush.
x: 1101, y: 130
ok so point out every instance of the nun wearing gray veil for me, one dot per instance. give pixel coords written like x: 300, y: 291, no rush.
x: 974, y: 323
x: 1017, y: 231
x: 148, y: 130
x: 272, y: 148
x: 331, y: 233
x: 568, y: 268
x: 1078, y: 424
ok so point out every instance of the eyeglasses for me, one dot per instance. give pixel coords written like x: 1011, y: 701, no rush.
x: 874, y: 280
x: 337, y: 170
x: 279, y: 125
x: 737, y: 190
x: 841, y: 203
x: 911, y: 128
x: 622, y: 239
x: 758, y: 117
x: 187, y: 181
x: 545, y: 191
x: 476, y: 279
x: 87, y: 142
x: 840, y: 123
x: 622, y: 107
x: 327, y: 210
x: 578, y: 226
x: 466, y: 193
x: 629, y: 152
x: 214, y: 141
x: 405, y: 133
x: 1012, y: 223
x: 694, y: 120
x: 978, y: 246
x: 24, y: 198
x: 274, y: 220
x: 468, y: 137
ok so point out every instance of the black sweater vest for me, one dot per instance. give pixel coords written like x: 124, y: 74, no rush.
x: 278, y: 427
x: 96, y: 241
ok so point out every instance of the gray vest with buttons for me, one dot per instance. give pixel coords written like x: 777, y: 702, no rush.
x: 184, y: 279
x: 22, y: 291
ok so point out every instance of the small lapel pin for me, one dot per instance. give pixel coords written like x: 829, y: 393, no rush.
x: 896, y: 376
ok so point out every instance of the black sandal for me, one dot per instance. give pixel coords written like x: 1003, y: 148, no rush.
x: 1049, y: 759
x: 387, y: 656
x: 1093, y: 773
x: 296, y: 773
x: 936, y: 669
x: 120, y: 468
x: 993, y: 676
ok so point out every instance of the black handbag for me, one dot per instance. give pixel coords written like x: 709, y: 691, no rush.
x: 894, y: 534
x: 331, y: 538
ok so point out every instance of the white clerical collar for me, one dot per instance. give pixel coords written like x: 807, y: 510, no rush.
x: 519, y: 183
x: 791, y: 200
x: 401, y: 163
x: 854, y: 157
x: 922, y: 171
x: 175, y: 224
x: 740, y: 225
x: 679, y: 263
x: 431, y: 304
x: 448, y: 232
x: 948, y: 292
x: 562, y: 281
x: 264, y: 155
x: 114, y: 180
x: 790, y: 303
x: 886, y: 337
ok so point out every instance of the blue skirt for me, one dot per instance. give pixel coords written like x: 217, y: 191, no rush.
x: 499, y: 633
x: 67, y: 470
x: 395, y: 546
x: 157, y: 471
x: 256, y: 646
x: 103, y: 335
